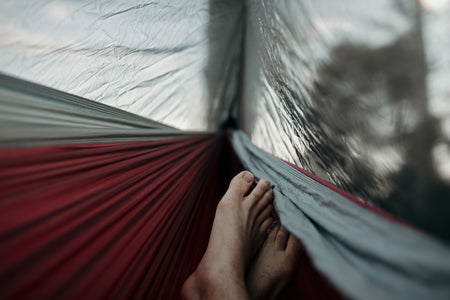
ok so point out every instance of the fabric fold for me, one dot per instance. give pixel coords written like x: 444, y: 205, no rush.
x: 362, y: 252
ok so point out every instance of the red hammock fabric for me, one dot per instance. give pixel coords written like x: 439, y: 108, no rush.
x: 120, y: 220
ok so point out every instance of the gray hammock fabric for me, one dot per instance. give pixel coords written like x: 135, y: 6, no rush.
x: 364, y: 254
x: 34, y: 115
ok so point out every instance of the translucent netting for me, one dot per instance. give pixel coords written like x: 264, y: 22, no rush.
x: 357, y: 93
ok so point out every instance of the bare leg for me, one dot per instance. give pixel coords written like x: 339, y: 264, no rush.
x: 275, y: 264
x: 239, y: 229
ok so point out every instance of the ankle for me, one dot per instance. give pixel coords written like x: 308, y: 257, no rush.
x: 212, y: 268
x: 211, y: 283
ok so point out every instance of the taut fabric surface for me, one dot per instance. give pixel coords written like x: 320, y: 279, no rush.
x: 107, y: 221
x: 34, y: 115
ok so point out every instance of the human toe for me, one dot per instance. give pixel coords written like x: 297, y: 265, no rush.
x: 273, y: 233
x: 265, y: 214
x: 265, y: 201
x: 258, y: 192
x: 282, y: 238
x: 266, y: 226
x: 294, y: 247
x: 262, y: 233
x: 241, y: 183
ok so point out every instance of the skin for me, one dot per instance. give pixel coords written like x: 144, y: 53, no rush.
x: 240, y: 230
x: 274, y: 265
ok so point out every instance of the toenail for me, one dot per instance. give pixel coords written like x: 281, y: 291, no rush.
x: 248, y: 177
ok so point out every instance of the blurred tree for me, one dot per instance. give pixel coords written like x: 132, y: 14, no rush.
x: 378, y: 96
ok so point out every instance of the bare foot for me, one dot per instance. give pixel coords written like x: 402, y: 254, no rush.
x: 275, y: 264
x: 239, y: 229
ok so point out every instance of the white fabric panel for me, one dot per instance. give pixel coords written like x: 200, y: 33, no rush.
x: 171, y: 61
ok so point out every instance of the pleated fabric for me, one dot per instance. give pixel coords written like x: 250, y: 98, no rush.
x: 363, y: 251
x: 107, y: 221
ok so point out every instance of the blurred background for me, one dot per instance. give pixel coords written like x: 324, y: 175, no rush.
x: 356, y: 92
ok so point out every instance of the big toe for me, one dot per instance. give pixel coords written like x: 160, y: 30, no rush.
x: 241, y: 183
